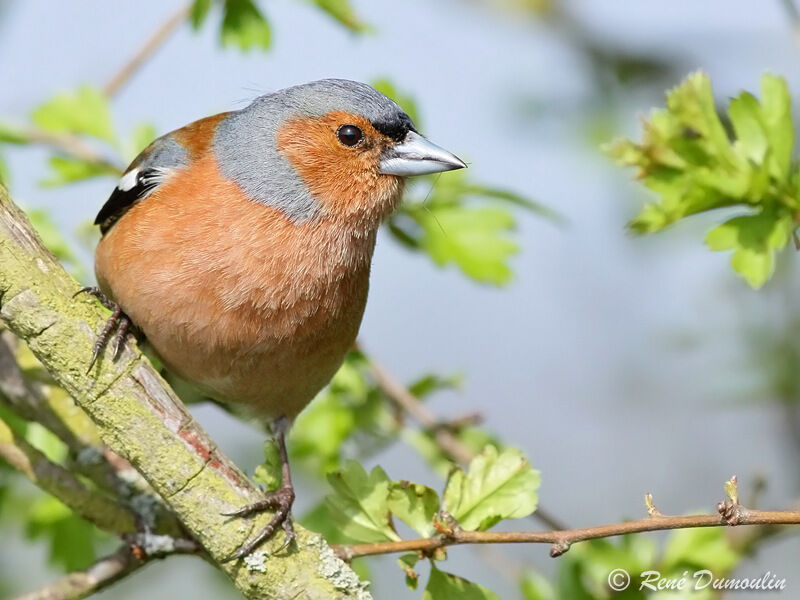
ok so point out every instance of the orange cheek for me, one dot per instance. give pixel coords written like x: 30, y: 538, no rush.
x: 345, y: 180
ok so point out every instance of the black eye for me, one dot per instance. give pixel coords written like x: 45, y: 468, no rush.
x: 349, y: 135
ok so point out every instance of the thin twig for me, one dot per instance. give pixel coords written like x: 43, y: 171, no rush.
x: 153, y: 43
x: 104, y: 572
x: 71, y: 146
x: 794, y: 16
x: 443, y: 436
x: 728, y: 515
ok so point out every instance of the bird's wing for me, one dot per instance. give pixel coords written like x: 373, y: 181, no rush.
x: 149, y: 170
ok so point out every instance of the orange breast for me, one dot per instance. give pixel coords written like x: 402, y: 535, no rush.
x: 234, y: 297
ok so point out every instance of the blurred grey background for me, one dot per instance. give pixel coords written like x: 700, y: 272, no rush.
x: 619, y: 365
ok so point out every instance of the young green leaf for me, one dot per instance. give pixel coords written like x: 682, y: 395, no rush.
x: 54, y: 240
x: 705, y: 548
x: 359, y: 505
x: 474, y: 438
x: 69, y: 170
x: 688, y: 159
x: 142, y: 136
x: 446, y: 586
x: 535, y: 586
x: 755, y: 240
x: 432, y: 382
x: 350, y: 417
x: 497, y: 486
x: 243, y: 25
x: 342, y: 11
x: 472, y: 238
x: 407, y: 562
x: 415, y: 505
x: 71, y: 539
x: 199, y: 12
x: 84, y: 112
x: 405, y: 101
x: 12, y: 135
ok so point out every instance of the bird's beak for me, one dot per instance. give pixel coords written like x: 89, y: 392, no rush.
x: 416, y: 155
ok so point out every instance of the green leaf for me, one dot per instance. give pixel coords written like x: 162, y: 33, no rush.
x: 407, y: 562
x: 199, y: 12
x: 46, y: 442
x: 430, y: 383
x: 446, y: 586
x: 497, y: 486
x: 688, y: 159
x: 472, y: 238
x: 350, y: 417
x: 319, y: 520
x: 142, y: 136
x: 703, y: 548
x: 405, y: 101
x: 754, y: 239
x: 85, y: 112
x: 536, y: 587
x: 12, y: 135
x: 415, y: 505
x: 54, y: 240
x: 359, y: 505
x: 343, y: 13
x: 71, y: 539
x: 776, y: 109
x: 268, y: 473
x: 69, y: 170
x: 472, y: 437
x: 243, y: 25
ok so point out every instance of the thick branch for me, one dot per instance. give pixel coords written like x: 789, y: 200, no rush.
x: 561, y: 541
x: 142, y: 420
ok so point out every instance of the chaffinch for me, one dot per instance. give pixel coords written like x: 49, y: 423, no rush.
x: 240, y: 246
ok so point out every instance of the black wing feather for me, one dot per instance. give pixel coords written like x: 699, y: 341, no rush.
x: 121, y: 201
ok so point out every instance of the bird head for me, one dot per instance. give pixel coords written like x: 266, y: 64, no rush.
x: 328, y: 149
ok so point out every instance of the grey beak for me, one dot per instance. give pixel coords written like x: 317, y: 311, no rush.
x: 416, y: 155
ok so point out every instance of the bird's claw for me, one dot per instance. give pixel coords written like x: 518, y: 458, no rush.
x: 280, y: 501
x: 118, y: 320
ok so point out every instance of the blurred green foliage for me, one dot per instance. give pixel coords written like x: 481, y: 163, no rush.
x: 687, y: 157
x: 694, y: 164
x: 497, y: 485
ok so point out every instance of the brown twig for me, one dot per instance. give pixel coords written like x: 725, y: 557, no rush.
x: 792, y: 12
x: 104, y: 572
x: 443, y: 436
x: 70, y: 145
x: 729, y: 512
x: 153, y: 43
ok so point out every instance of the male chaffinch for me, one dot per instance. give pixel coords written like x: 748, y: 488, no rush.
x: 240, y: 246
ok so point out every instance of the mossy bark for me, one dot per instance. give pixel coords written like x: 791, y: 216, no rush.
x: 141, y: 419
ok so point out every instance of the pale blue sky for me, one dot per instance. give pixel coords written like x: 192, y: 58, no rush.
x: 589, y: 361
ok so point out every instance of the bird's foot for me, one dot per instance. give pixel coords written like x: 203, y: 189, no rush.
x: 118, y: 320
x: 280, y: 501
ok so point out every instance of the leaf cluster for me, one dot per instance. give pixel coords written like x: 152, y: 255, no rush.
x: 695, y: 161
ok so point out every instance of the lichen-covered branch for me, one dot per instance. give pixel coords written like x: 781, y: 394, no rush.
x: 142, y: 420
